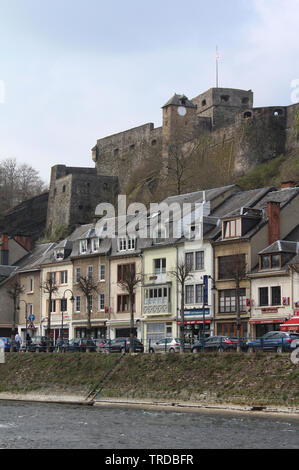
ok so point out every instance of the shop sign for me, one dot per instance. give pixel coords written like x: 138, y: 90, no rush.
x: 199, y: 311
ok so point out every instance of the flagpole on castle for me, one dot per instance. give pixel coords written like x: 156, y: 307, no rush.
x: 217, y: 70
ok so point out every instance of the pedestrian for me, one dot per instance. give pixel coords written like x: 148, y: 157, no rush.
x: 18, y: 341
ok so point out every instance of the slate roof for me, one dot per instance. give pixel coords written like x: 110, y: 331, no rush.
x: 179, y: 100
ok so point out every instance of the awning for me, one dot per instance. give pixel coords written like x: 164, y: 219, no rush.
x: 291, y: 325
x: 267, y: 321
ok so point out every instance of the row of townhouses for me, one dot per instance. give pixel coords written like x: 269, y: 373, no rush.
x: 259, y: 227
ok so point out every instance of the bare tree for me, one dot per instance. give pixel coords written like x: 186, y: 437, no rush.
x: 129, y: 281
x: 182, y: 274
x: 88, y: 287
x: 49, y: 287
x: 236, y: 269
x: 18, y: 183
x: 14, y: 292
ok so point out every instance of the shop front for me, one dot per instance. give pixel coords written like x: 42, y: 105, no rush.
x: 263, y: 326
x: 195, y: 329
x: 291, y: 325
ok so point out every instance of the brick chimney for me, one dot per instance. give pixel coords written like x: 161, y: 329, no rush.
x: 273, y: 210
x: 287, y: 184
x: 24, y: 241
x: 4, y: 249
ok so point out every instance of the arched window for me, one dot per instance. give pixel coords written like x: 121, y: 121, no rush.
x: 247, y: 115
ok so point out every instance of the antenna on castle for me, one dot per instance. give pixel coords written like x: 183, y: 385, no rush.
x: 217, y: 69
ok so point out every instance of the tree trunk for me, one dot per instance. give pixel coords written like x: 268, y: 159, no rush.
x: 132, y: 324
x: 238, y: 315
x: 13, y: 330
x: 49, y: 323
x: 182, y: 327
x: 88, y: 339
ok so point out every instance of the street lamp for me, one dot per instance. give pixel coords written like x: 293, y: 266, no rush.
x: 72, y: 299
x: 26, y: 321
x: 206, y: 302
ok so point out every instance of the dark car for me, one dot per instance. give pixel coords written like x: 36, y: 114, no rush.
x: 217, y: 343
x: 122, y: 345
x: 80, y: 345
x: 40, y: 344
x: 278, y: 341
x: 7, y: 343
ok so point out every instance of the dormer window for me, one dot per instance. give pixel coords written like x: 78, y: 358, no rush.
x: 95, y: 244
x: 127, y: 243
x: 160, y: 235
x: 59, y: 255
x: 83, y: 246
x: 231, y: 229
x: 270, y: 261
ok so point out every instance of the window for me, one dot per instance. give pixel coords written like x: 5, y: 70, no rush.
x: 160, y: 266
x: 123, y: 303
x: 247, y: 115
x: 199, y: 260
x: 156, y: 295
x: 63, y: 305
x: 245, y: 100
x: 264, y: 297
x: 154, y: 142
x: 228, y: 266
x: 83, y: 246
x: 224, y: 98
x: 155, y: 331
x: 204, y: 102
x: 89, y: 272
x: 231, y: 228
x: 52, y: 278
x: 227, y: 301
x: 123, y: 269
x: 102, y: 272
x: 265, y: 262
x: 199, y: 294
x: 77, y: 275
x: 276, y: 295
x: 53, y: 306
x: 122, y: 244
x: 31, y: 285
x: 63, y: 277
x: 131, y: 243
x: 116, y: 152
x: 275, y: 261
x: 189, y: 295
x: 77, y: 303
x: 95, y: 244
x: 160, y: 235
x: 132, y: 147
x: 101, y: 302
x: 189, y: 260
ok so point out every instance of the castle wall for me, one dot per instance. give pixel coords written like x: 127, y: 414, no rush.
x: 120, y: 154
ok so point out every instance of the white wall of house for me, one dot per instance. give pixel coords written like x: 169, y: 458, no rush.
x: 56, y: 317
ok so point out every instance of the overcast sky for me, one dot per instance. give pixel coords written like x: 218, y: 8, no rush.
x: 75, y: 71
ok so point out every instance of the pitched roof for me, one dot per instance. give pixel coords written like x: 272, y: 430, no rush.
x: 179, y: 100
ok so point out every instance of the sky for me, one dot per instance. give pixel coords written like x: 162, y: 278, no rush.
x: 74, y: 71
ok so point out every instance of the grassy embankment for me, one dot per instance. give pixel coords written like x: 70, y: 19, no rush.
x: 263, y: 379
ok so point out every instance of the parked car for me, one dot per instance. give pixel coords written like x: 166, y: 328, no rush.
x: 171, y: 345
x: 80, y: 345
x: 217, y: 343
x: 122, y: 345
x: 7, y: 343
x: 100, y: 343
x: 278, y: 341
x: 40, y: 344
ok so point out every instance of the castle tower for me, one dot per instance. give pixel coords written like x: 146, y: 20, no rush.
x: 179, y: 123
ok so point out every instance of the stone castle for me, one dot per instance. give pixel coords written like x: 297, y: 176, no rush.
x: 243, y: 136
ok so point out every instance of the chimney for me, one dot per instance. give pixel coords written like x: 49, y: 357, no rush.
x: 4, y: 249
x: 24, y: 241
x: 273, y: 210
x: 287, y: 184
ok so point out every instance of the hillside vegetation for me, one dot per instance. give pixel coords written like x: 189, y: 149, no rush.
x: 263, y: 379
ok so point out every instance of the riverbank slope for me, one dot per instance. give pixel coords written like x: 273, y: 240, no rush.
x: 228, y: 378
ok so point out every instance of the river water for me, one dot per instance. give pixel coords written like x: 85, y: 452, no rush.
x: 51, y: 426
